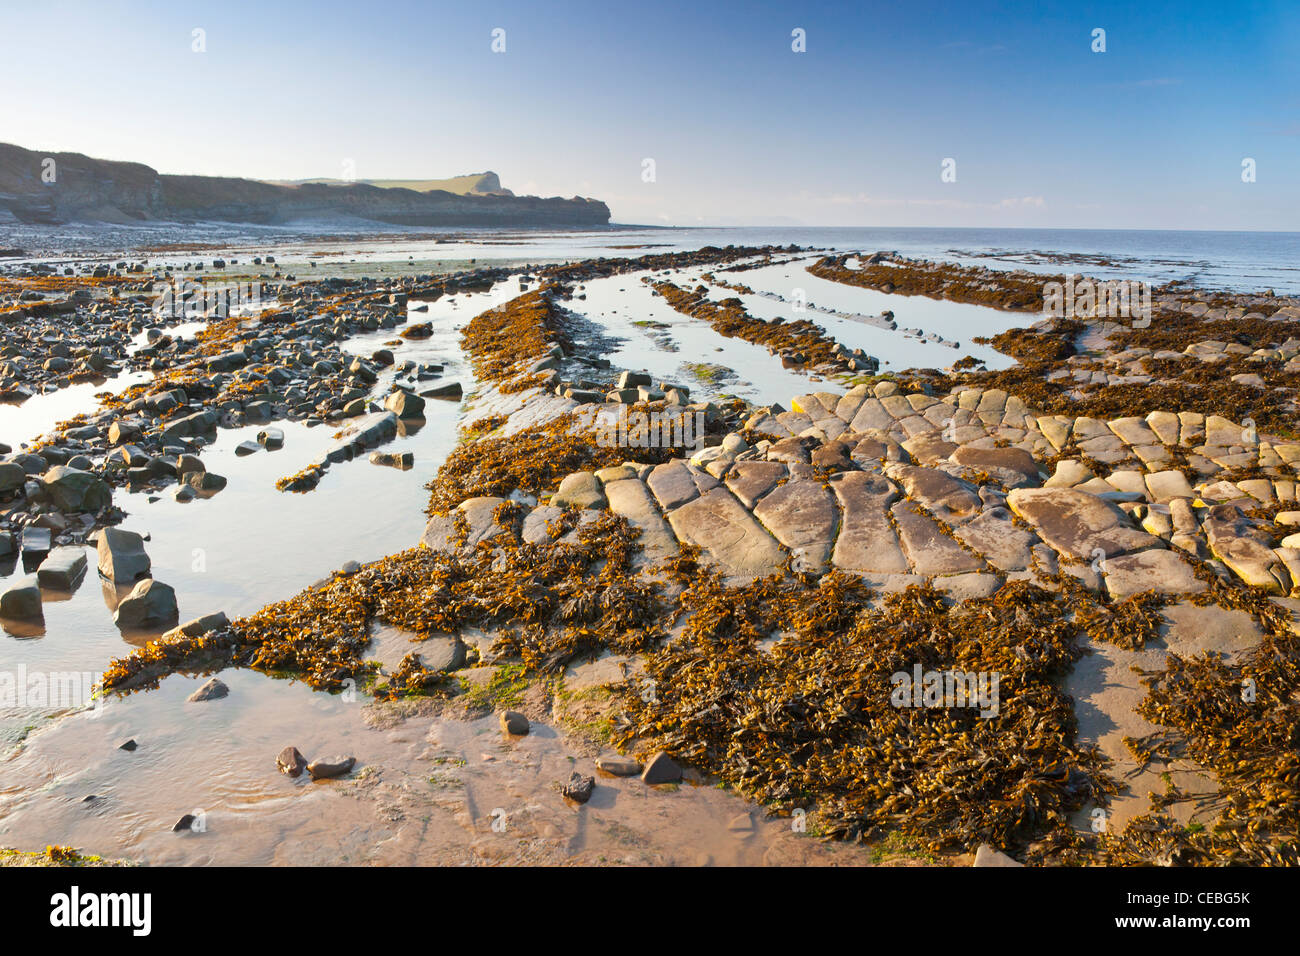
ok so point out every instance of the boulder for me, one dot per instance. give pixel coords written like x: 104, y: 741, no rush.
x: 71, y: 490
x: 205, y: 481
x: 448, y: 391
x: 369, y: 432
x: 151, y: 605
x: 199, y: 626
x: 21, y: 601
x: 400, y: 460
x: 122, y: 558
x: 12, y: 476
x: 63, y: 569
x: 405, y: 404
x: 36, y: 543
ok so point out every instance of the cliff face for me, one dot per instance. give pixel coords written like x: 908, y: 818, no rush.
x: 86, y: 189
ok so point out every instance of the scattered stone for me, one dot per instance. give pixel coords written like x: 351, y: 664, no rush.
x: 328, y: 769
x: 579, y: 788
x: 211, y: 690
x: 36, y: 543
x: 619, y: 766
x: 449, y: 391
x: 205, y: 481
x: 291, y: 762
x: 514, y: 723
x: 661, y: 769
x: 400, y: 460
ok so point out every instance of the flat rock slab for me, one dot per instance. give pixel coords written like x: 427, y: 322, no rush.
x: 803, y: 517
x: 969, y: 586
x: 1077, y: 523
x: 1189, y: 630
x: 1015, y: 467
x: 1165, y: 486
x: 675, y: 483
x: 871, y: 415
x: 937, y: 491
x: 986, y: 856
x: 867, y: 542
x: 631, y: 499
x: 369, y: 432
x: 751, y: 480
x: 1106, y: 693
x: 1153, y: 570
x: 1245, y: 549
x: 608, y: 670
x: 440, y: 534
x: 720, y: 526
x: 996, y: 536
x: 930, y: 550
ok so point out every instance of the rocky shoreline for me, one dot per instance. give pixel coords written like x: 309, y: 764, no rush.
x: 1110, y: 501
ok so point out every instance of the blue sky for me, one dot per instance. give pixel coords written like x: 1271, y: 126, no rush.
x: 742, y: 130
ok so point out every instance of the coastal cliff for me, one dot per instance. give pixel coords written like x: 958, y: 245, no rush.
x: 88, y: 189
